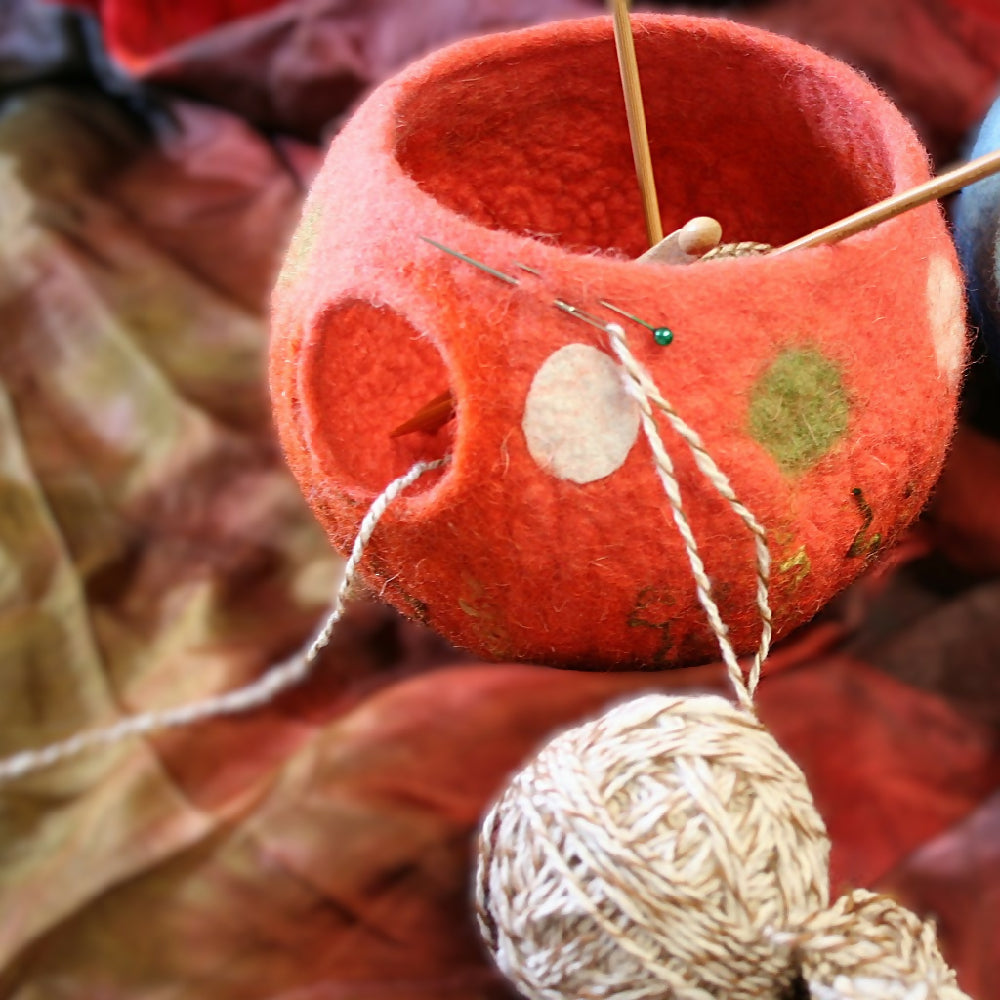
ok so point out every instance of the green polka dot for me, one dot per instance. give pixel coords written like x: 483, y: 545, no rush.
x: 799, y: 409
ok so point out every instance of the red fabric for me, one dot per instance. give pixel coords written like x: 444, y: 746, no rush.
x: 138, y: 29
x: 889, y: 766
x: 939, y: 60
x: 966, y: 512
x: 532, y: 163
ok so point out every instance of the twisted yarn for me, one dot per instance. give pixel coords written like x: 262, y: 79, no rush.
x: 640, y: 385
x: 747, y: 248
x: 868, y: 947
x: 670, y: 849
x: 265, y: 689
x: 651, y: 853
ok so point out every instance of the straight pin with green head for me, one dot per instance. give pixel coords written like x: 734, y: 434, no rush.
x: 661, y: 334
x: 510, y: 279
x: 566, y: 307
x: 581, y: 314
x: 435, y: 414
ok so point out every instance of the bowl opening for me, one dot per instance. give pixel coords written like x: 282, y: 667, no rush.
x: 350, y: 430
x: 536, y: 141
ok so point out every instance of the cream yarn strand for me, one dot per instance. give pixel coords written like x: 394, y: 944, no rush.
x: 642, y: 388
x: 254, y: 695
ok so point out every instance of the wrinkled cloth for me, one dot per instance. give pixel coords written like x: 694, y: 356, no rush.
x: 939, y: 60
x: 154, y: 550
x: 136, y: 30
x: 299, y: 66
x: 146, y: 519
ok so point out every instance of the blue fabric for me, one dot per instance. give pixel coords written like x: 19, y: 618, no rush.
x: 976, y: 219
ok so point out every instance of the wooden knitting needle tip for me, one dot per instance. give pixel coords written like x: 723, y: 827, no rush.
x: 701, y: 234
x: 867, y: 218
x: 687, y: 244
x: 627, y: 65
x: 429, y: 418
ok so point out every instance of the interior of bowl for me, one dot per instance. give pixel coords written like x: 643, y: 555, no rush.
x: 534, y: 139
x: 361, y: 396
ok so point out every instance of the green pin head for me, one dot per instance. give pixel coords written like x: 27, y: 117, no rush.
x: 662, y: 335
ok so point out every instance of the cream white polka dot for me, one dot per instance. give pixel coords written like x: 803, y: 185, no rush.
x: 579, y: 422
x: 945, y: 304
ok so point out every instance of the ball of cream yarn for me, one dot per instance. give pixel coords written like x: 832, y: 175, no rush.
x: 868, y: 947
x: 653, y: 852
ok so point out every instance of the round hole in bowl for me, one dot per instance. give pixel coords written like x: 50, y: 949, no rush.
x: 357, y: 391
x: 535, y: 140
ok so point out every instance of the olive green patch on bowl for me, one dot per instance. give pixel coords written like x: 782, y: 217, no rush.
x: 799, y: 409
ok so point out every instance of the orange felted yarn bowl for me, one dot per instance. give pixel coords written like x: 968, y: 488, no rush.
x: 823, y: 382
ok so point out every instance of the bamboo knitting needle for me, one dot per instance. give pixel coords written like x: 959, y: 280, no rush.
x: 430, y: 417
x: 937, y: 187
x: 625, y: 47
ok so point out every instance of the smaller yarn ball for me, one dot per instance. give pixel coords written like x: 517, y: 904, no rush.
x: 868, y: 947
x: 652, y: 852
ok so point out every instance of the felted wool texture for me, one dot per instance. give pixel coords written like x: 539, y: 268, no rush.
x: 976, y: 215
x: 514, y: 148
